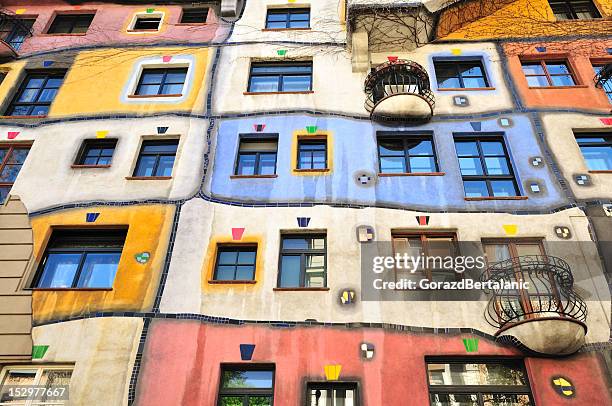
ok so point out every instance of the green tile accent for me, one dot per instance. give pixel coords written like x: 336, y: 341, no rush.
x: 311, y: 129
x: 470, y: 344
x: 281, y: 52
x: 39, y: 351
x: 150, y: 10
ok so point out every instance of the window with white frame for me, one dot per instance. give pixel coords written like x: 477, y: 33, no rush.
x: 35, y: 385
x: 146, y: 22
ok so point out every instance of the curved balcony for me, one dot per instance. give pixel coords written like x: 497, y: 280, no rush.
x: 547, y: 317
x: 13, y: 31
x: 398, y: 90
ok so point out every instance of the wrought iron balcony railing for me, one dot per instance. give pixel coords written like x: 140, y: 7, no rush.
x: 13, y: 31
x: 399, y: 90
x: 549, y: 295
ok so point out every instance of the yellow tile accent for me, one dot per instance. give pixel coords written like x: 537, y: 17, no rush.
x: 101, y: 134
x: 456, y: 51
x: 510, y: 229
x: 20, y: 11
x: 332, y: 372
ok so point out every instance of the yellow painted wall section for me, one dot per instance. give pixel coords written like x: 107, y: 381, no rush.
x: 135, y: 284
x: 319, y: 135
x: 97, y: 81
x: 522, y: 18
x: 208, y: 269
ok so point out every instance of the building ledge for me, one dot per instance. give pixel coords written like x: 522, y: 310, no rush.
x: 389, y: 175
x: 221, y: 282
x: 301, y: 289
x: 253, y: 176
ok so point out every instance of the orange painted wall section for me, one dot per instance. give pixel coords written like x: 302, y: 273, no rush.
x: 135, y: 284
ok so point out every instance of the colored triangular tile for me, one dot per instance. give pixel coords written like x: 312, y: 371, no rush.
x: 162, y: 130
x: 11, y: 135
x: 101, y: 134
x: 20, y: 11
x: 456, y: 51
x: 311, y: 129
x: 39, y: 351
x: 510, y: 229
x: 237, y: 233
x: 166, y: 58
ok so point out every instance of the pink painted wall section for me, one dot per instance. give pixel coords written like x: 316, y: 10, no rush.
x: 109, y: 25
x: 181, y: 363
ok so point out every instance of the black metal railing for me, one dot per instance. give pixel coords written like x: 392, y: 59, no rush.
x: 397, y: 77
x: 13, y: 29
x: 603, y: 79
x: 548, y: 291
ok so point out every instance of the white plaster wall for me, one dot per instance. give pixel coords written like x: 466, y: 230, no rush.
x: 47, y: 179
x: 102, y: 351
x: 559, y: 129
x: 200, y: 221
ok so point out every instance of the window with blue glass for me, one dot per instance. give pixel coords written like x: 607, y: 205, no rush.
x: 280, y: 77
x: 574, y: 9
x: 86, y: 258
x: 312, y: 154
x: 460, y: 74
x: 12, y: 157
x: 548, y: 73
x: 605, y: 85
x: 303, y: 261
x: 246, y: 385
x: 96, y: 152
x: 161, y: 82
x: 36, y: 94
x: 485, y: 167
x: 256, y: 156
x: 15, y: 31
x: 597, y: 150
x: 156, y: 158
x: 283, y: 18
x: 406, y: 154
x: 235, y: 263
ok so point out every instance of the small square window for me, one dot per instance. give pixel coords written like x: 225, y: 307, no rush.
x: 280, y: 77
x: 332, y: 393
x: 12, y: 157
x: 235, y: 263
x: 287, y: 18
x: 312, y: 154
x: 460, y: 74
x: 251, y: 385
x: 15, y: 31
x: 96, y: 152
x: 161, y: 82
x: 303, y: 262
x: 36, y: 94
x: 146, y: 23
x: 406, y: 154
x: 194, y: 15
x: 548, y: 73
x: 574, y: 9
x: 71, y: 24
x: 596, y: 149
x: 156, y: 158
x: 257, y: 156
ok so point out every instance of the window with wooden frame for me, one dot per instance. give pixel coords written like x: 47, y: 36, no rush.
x: 288, y: 18
x: 70, y: 24
x: 312, y: 153
x: 406, y: 153
x: 12, y: 157
x: 596, y: 149
x: 246, y: 385
x: 460, y: 74
x: 280, y: 77
x: 574, y: 9
x: 194, y: 15
x: 433, y: 247
x: 303, y: 261
x: 96, y: 152
x: 477, y: 381
x: 332, y: 394
x: 549, y: 73
x: 14, y: 32
x: 55, y: 379
x: 81, y: 259
x: 36, y: 93
x: 235, y: 262
x: 156, y: 158
x: 256, y: 155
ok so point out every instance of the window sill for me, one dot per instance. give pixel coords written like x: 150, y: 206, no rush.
x: 144, y: 30
x: 89, y: 166
x: 311, y: 170
x: 71, y: 289
x: 601, y: 171
x: 59, y: 34
x: 21, y: 117
x: 300, y: 289
x: 385, y: 175
x: 472, y: 199
x: 220, y: 282
x: 191, y: 24
x: 148, y: 96
x: 148, y: 177
x: 559, y: 87
x: 253, y: 176
x: 286, y: 29
x: 262, y: 93
x: 464, y: 89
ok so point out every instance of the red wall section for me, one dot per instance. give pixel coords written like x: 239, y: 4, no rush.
x: 181, y: 364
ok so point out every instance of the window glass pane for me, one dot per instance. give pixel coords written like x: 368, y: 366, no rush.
x: 391, y: 147
x: 99, y: 270
x: 598, y: 158
x: 505, y: 399
x: 164, y: 147
x: 20, y: 111
x: 228, y: 257
x: 299, y: 24
x: 476, y: 374
x: 260, y: 400
x: 104, y: 161
x: 296, y: 83
x: 537, y: 81
x: 245, y: 272
x: 3, y: 153
x: 475, y: 188
x: 557, y: 68
x: 423, y: 147
x: 492, y: 148
x: 562, y: 80
x: 277, y: 16
x: 470, y: 70
x: 533, y: 69
x: 54, y: 83
x: 35, y: 82
x: 59, y: 271
x: 393, y: 164
x: 176, y: 76
x: 247, y: 379
x: 9, y: 173
x: 449, y: 83
x: 246, y: 257
x: 290, y: 271
x: 466, y: 148
x: 246, y: 164
x: 318, y: 160
x: 422, y: 164
x: 39, y: 110
x: 172, y: 89
x: 225, y: 272
x: 315, y: 271
x: 277, y: 24
x: 474, y: 82
x: 152, y: 76
x: 145, y: 166
x: 497, y: 252
x: 28, y: 95
x: 165, y: 165
x: 454, y: 399
x: 267, y: 164
x: 231, y: 401
x: 264, y: 84
x: 503, y: 188
x: 497, y: 166
x: 4, y: 191
x: 147, y: 90
x: 47, y: 95
x: 470, y: 166
x: 296, y: 243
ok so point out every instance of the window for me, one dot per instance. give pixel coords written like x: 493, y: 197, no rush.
x: 251, y: 385
x: 607, y: 84
x: 312, y: 154
x: 156, y: 158
x: 460, y: 74
x: 303, y: 261
x: 257, y: 156
x: 96, y: 152
x: 548, y: 73
x: 70, y: 24
x: 52, y: 378
x: 161, y: 82
x: 14, y: 32
x: 194, y: 15
x: 478, y: 382
x: 597, y: 150
x: 235, y: 263
x: 574, y: 9
x: 280, y: 77
x: 429, y: 246
x: 332, y: 394
x: 406, y: 154
x: 282, y: 18
x: 147, y: 23
x: 36, y: 94
x: 12, y: 157
x: 85, y: 258
x: 485, y: 167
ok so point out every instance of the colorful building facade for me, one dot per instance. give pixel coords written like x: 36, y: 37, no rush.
x: 194, y: 195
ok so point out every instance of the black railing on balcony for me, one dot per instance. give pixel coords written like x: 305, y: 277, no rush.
x: 603, y: 79
x: 398, y: 77
x: 13, y: 29
x: 550, y: 291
